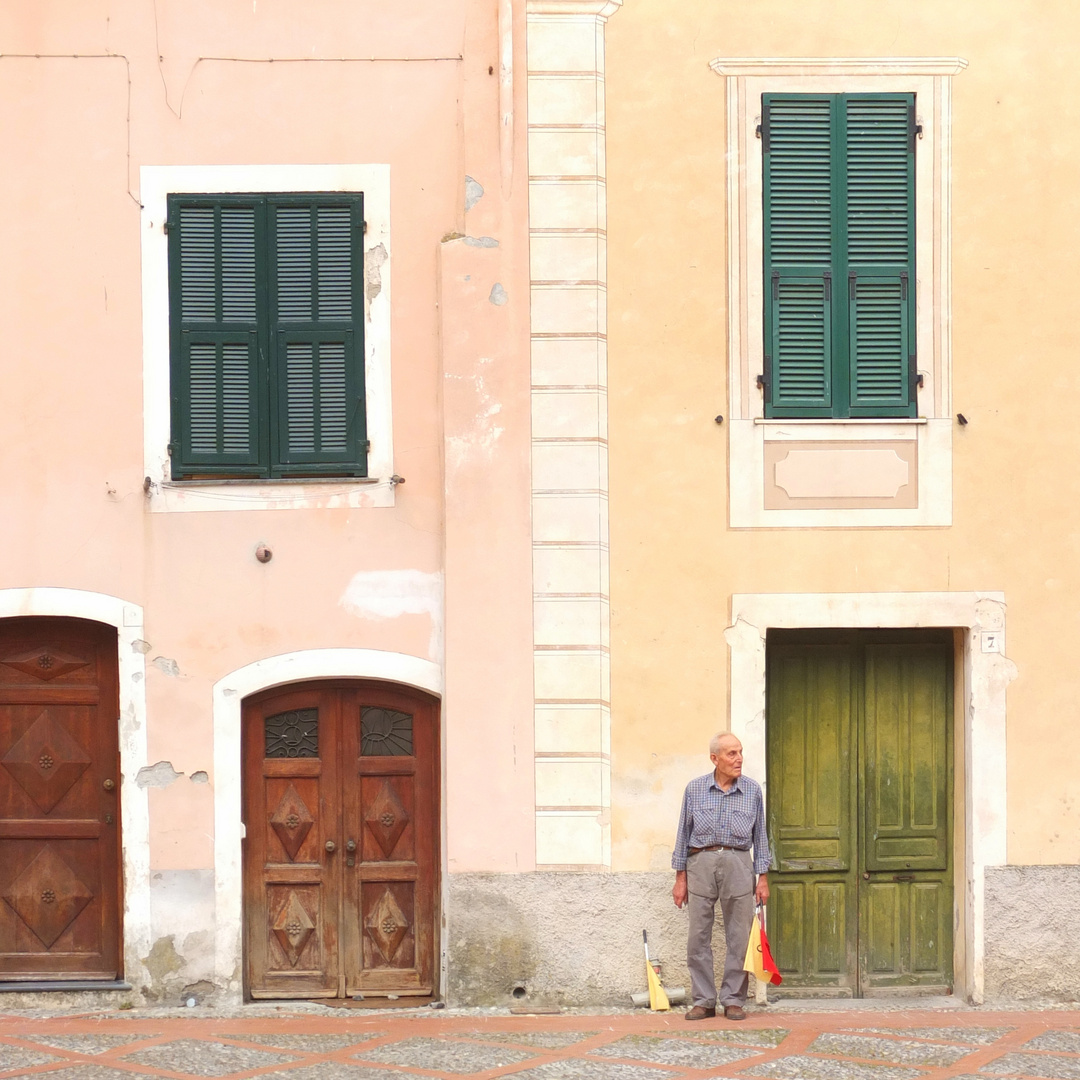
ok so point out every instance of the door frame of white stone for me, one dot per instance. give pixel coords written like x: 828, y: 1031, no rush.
x: 228, y: 695
x: 980, y: 713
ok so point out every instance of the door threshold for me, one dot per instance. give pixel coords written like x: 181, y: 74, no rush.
x: 42, y: 986
x: 892, y: 1003
x: 411, y: 1002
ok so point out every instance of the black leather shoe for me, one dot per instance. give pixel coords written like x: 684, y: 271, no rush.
x: 700, y: 1012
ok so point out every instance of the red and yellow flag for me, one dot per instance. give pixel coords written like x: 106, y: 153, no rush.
x: 759, y: 961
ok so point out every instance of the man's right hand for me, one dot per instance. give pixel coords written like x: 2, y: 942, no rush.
x: 678, y: 893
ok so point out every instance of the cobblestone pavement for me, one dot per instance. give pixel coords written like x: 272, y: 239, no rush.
x: 291, y: 1045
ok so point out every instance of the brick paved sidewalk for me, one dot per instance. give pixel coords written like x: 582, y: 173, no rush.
x: 908, y: 1045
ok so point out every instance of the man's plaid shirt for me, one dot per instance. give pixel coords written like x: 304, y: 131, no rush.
x: 735, y: 818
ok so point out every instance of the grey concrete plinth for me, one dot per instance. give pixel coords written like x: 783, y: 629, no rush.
x: 1032, y: 933
x: 566, y: 938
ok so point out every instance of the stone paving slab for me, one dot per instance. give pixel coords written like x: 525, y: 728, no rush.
x: 461, y: 1058
x: 89, y: 1044
x: 977, y: 1036
x: 672, y: 1050
x: 15, y: 1057
x: 1068, y: 1041
x: 1051, y: 1066
x: 545, y: 1040
x: 580, y: 1069
x: 803, y: 1067
x: 198, y: 1058
x: 899, y: 1051
x: 312, y: 1044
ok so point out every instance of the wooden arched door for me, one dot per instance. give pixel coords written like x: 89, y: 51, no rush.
x: 341, y: 856
x: 59, y: 801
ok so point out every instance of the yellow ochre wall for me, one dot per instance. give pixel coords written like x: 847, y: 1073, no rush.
x: 675, y: 563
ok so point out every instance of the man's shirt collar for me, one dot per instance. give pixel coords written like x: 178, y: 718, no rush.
x: 737, y: 786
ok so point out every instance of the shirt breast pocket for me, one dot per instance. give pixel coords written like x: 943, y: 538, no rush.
x: 742, y: 827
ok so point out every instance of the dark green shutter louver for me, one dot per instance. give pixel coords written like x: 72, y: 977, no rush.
x: 216, y: 384
x: 316, y: 291
x: 881, y: 245
x: 839, y: 243
x: 266, y: 314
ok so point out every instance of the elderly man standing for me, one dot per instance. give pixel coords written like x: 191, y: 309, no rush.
x: 723, y: 817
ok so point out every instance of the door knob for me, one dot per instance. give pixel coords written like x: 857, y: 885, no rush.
x: 108, y: 785
x: 350, y: 845
x: 866, y: 876
x: 331, y: 846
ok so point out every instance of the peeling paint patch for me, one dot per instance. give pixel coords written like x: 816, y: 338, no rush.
x: 498, y: 295
x: 140, y: 646
x: 373, y: 264
x: 482, y: 241
x: 167, y: 666
x: 386, y: 594
x: 474, y: 192
x: 200, y: 777
x: 160, y: 775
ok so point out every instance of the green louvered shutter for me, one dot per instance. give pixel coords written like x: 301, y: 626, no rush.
x: 317, y: 317
x: 797, y: 132
x: 839, y: 254
x: 217, y: 385
x: 880, y: 218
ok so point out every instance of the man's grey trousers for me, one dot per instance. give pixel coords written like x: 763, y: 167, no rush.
x: 727, y: 876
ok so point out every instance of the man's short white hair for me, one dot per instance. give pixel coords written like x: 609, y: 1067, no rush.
x: 714, y: 742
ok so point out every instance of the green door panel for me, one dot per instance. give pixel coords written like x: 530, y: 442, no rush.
x: 859, y: 810
x: 810, y: 711
x: 906, y: 758
x: 811, y: 918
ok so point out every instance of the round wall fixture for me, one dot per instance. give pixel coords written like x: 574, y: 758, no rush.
x: 263, y: 553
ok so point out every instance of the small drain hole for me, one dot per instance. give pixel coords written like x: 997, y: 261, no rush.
x: 519, y: 991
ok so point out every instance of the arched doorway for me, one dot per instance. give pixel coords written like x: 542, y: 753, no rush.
x: 341, y: 856
x: 59, y: 801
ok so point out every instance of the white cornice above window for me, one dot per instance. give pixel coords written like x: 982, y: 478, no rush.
x: 843, y: 65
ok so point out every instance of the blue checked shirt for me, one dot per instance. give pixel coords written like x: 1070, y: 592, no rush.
x: 735, y: 818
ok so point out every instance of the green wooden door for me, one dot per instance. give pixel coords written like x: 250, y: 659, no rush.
x: 859, y: 800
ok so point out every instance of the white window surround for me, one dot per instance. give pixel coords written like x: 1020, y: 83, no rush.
x: 929, y: 78
x: 229, y: 832
x: 134, y: 802
x: 157, y: 183
x: 985, y: 678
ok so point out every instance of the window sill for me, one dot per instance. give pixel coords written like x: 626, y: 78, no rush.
x: 287, y: 493
x: 835, y: 420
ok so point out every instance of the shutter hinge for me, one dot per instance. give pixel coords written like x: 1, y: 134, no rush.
x: 914, y: 129
x: 852, y: 288
x: 776, y: 284
x: 762, y: 381
x: 165, y: 228
x: 903, y: 284
x: 172, y: 448
x: 366, y: 445
x: 363, y: 225
x: 828, y: 284
x: 763, y: 129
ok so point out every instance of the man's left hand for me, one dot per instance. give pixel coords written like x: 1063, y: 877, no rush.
x: 761, y: 893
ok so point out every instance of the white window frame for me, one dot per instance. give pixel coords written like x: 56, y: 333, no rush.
x: 164, y: 493
x: 930, y: 80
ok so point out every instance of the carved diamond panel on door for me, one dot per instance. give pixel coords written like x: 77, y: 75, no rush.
x: 46, y: 663
x: 341, y: 805
x: 46, y: 761
x: 59, y: 810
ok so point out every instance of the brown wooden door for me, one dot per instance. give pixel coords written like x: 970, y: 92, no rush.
x: 59, y: 800
x: 341, y: 806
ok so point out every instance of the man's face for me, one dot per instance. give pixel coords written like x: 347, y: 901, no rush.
x: 728, y: 759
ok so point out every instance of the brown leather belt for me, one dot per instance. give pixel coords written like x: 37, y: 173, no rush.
x: 716, y: 847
